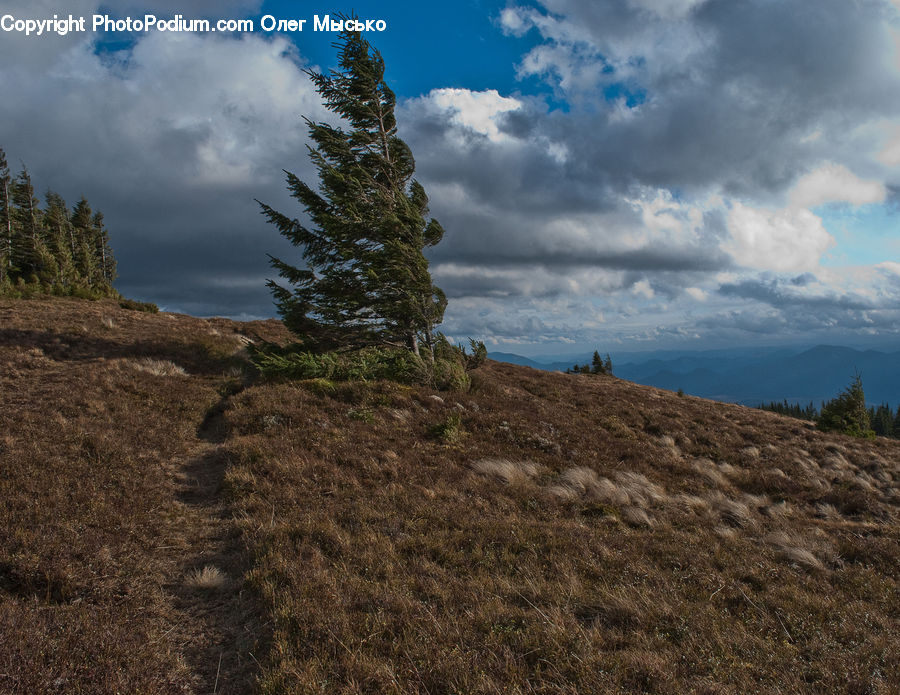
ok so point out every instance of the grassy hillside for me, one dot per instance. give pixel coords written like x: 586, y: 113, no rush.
x: 171, y: 526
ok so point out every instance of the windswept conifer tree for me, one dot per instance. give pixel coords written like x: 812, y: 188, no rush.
x: 366, y: 280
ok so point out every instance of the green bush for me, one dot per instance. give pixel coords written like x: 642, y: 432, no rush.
x: 134, y: 305
x: 292, y: 362
x: 448, y: 430
x: 448, y: 371
x: 449, y: 375
x: 847, y: 413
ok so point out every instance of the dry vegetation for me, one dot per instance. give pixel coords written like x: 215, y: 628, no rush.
x: 542, y: 533
x: 108, y: 487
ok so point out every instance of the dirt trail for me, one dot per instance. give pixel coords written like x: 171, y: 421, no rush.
x: 218, y: 628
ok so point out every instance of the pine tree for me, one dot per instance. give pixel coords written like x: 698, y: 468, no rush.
x: 84, y: 254
x: 5, y: 220
x: 847, y: 413
x: 366, y: 280
x: 59, y: 237
x: 607, y: 364
x: 597, y: 366
x: 106, y: 263
x: 882, y: 420
x: 29, y: 253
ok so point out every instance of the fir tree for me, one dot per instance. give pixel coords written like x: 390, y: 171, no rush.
x: 5, y: 220
x: 366, y: 280
x: 29, y: 254
x: 597, y: 365
x: 882, y: 420
x: 106, y: 263
x: 847, y: 413
x: 85, y: 250
x: 59, y: 237
x: 51, y: 249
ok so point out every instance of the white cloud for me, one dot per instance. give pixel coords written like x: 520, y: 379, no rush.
x: 696, y: 293
x: 834, y: 183
x: 788, y: 240
x: 477, y: 111
x: 669, y: 9
x: 890, y: 266
x: 643, y: 289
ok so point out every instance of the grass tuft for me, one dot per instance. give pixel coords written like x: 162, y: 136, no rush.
x: 207, y: 578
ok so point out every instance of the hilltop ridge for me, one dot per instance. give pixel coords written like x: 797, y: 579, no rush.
x: 175, y: 525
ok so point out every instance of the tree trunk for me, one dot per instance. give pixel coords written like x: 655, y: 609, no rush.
x: 413, y: 341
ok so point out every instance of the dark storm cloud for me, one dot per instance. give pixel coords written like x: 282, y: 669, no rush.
x: 732, y: 88
x: 771, y: 291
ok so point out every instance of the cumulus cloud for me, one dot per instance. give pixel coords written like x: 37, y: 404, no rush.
x: 476, y: 111
x: 788, y: 240
x: 833, y: 183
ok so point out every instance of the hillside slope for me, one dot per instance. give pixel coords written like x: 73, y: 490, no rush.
x: 542, y: 533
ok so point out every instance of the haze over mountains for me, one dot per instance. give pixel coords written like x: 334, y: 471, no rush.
x: 751, y: 376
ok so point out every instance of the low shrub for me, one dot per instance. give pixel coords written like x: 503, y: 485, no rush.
x: 293, y: 362
x: 448, y: 371
x: 447, y: 430
x: 134, y: 305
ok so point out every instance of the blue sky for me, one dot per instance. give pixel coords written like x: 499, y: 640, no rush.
x: 628, y: 174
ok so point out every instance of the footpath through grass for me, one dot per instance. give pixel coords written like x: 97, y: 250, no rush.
x: 110, y: 504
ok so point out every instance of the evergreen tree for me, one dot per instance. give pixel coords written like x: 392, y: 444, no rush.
x: 882, y: 420
x: 366, y: 280
x: 29, y: 254
x: 607, y: 364
x: 5, y: 220
x: 847, y: 413
x: 597, y: 366
x: 59, y: 237
x: 106, y: 263
x: 84, y: 254
x: 51, y: 249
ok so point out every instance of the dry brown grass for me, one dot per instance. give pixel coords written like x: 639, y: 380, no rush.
x: 510, y: 472
x: 208, y: 578
x: 95, y: 531
x: 586, y: 535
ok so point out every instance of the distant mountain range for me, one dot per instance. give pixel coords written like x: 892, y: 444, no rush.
x: 752, y: 376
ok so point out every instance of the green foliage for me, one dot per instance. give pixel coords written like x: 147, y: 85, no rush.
x: 50, y: 251
x: 847, y: 413
x: 365, y: 281
x: 478, y: 355
x: 598, y: 365
x: 447, y: 372
x: 882, y: 420
x: 808, y: 412
x: 134, y: 305
x: 366, y: 364
x: 449, y: 375
x: 448, y: 430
